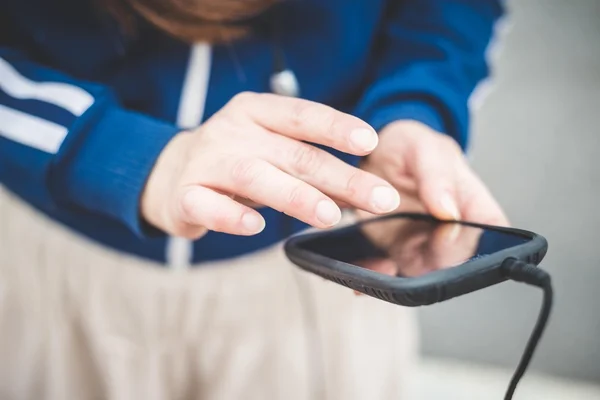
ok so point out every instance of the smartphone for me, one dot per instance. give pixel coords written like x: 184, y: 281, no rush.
x: 414, y: 259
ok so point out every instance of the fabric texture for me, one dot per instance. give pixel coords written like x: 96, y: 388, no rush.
x: 80, y: 322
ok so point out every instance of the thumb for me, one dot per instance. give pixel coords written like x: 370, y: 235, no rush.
x: 203, y: 207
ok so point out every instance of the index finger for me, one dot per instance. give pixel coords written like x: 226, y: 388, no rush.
x: 310, y: 121
x: 478, y: 204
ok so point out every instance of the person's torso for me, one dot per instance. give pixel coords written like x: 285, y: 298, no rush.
x: 326, y: 43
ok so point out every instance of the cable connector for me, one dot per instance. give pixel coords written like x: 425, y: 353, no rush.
x: 520, y: 271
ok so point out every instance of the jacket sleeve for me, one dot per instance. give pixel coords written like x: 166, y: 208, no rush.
x: 427, y: 61
x: 68, y: 144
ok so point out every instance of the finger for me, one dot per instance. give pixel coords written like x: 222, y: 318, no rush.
x: 333, y: 177
x: 448, y: 186
x: 439, y: 197
x: 241, y: 200
x: 248, y: 203
x: 477, y: 203
x: 200, y: 206
x: 309, y: 121
x: 342, y: 205
x: 263, y: 183
x: 434, y: 166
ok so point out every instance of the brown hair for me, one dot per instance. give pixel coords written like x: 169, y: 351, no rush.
x: 189, y: 20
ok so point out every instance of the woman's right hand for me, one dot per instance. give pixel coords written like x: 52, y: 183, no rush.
x: 254, y: 149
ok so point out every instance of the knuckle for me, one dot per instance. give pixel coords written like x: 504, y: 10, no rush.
x: 306, y: 113
x: 214, y: 127
x: 328, y: 120
x: 245, y: 172
x: 353, y: 182
x: 220, y: 222
x: 242, y: 98
x: 297, y: 197
x: 306, y: 160
x: 301, y: 113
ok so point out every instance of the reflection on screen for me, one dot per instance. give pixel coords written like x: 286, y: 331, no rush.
x: 411, y: 247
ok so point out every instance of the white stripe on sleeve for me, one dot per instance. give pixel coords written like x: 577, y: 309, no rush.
x: 69, y: 97
x: 31, y: 131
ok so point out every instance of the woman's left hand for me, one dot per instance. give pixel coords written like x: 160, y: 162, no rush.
x: 432, y: 174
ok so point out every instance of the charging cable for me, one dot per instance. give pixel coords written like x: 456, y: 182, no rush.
x: 514, y: 270
x: 520, y: 271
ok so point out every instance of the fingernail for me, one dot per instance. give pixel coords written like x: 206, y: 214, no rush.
x: 449, y: 205
x: 253, y: 223
x: 385, y: 199
x: 364, y: 139
x: 328, y: 213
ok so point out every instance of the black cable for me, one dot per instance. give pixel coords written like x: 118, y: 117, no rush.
x: 522, y: 272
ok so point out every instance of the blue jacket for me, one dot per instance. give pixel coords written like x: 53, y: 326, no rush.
x: 85, y: 111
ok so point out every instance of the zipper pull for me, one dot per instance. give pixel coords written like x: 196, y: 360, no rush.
x: 285, y: 83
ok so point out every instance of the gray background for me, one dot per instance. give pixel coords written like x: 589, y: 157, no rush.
x: 537, y: 144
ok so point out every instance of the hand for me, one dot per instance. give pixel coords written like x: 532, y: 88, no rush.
x: 254, y: 149
x: 432, y: 175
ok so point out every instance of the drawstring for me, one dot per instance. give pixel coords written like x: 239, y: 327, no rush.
x: 283, y: 80
x: 279, y: 63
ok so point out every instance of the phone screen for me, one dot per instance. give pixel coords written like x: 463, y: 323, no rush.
x: 410, y: 247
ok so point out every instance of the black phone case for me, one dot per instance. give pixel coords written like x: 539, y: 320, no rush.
x: 432, y: 288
